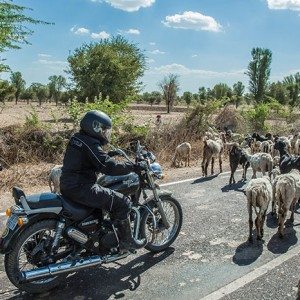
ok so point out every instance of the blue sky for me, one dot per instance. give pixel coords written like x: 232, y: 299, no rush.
x: 203, y: 41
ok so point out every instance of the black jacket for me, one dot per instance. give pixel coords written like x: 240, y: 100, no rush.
x: 84, y: 158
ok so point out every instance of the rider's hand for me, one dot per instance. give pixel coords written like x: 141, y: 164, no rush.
x: 113, y: 153
x: 140, y: 166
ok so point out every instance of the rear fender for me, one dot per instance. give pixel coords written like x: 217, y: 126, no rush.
x: 9, y: 237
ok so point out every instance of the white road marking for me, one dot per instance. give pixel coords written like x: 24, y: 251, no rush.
x: 193, y: 179
x: 251, y: 276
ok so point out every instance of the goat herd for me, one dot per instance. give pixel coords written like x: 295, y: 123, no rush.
x: 276, y: 156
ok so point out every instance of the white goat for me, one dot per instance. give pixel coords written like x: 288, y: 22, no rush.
x: 286, y: 189
x: 260, y: 162
x: 54, y: 179
x: 182, y: 153
x: 259, y: 194
x: 211, y: 150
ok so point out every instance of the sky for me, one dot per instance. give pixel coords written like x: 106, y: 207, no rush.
x: 205, y: 42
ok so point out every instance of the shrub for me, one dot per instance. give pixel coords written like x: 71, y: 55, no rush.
x: 257, y: 117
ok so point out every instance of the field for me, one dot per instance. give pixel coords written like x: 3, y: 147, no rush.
x: 33, y: 177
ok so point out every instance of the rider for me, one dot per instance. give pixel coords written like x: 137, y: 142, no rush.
x: 84, y: 157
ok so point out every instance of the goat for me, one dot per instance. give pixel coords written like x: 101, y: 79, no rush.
x: 182, y: 152
x: 54, y: 179
x: 211, y: 150
x: 265, y: 147
x: 260, y: 162
x: 287, y: 162
x: 287, y: 192
x: 259, y: 194
x: 236, y: 157
x: 259, y: 137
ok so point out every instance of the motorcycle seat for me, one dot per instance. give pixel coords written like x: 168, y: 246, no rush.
x: 75, y: 211
x: 43, y: 200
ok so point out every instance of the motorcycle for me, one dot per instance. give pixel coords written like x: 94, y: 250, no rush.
x: 48, y: 236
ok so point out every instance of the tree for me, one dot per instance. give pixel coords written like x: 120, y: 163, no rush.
x: 292, y: 84
x: 202, y: 94
x: 19, y: 84
x: 187, y: 97
x: 40, y: 91
x: 27, y: 94
x: 170, y: 87
x: 14, y: 29
x: 221, y: 90
x: 259, y: 70
x: 6, y: 91
x: 238, y: 91
x: 111, y: 67
x: 278, y: 91
x: 56, y: 86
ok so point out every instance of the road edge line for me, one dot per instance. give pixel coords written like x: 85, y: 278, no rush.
x: 251, y: 276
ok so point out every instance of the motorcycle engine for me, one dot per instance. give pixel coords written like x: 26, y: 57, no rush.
x: 109, y: 241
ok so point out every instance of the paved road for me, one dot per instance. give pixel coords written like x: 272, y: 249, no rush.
x: 210, y: 259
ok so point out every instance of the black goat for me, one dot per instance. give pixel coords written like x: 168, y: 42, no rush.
x: 261, y: 138
x: 287, y: 162
x: 237, y: 157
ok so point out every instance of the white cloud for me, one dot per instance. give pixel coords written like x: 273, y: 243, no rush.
x: 152, y: 43
x: 284, y: 4
x: 80, y: 30
x: 157, y: 52
x: 52, y: 62
x: 131, y: 31
x: 150, y: 61
x: 129, y: 5
x: 43, y: 55
x: 192, y: 20
x: 195, y: 55
x: 100, y: 35
x: 183, y: 70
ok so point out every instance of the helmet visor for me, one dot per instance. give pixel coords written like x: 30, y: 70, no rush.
x: 107, y: 134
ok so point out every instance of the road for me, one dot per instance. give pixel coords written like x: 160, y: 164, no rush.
x: 211, y: 258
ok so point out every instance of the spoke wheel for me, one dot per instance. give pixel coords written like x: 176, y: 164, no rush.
x: 160, y: 238
x: 32, y: 251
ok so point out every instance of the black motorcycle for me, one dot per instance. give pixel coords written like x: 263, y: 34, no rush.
x: 47, y: 236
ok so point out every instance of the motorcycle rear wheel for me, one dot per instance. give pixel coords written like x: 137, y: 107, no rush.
x: 12, y: 259
x: 173, y: 211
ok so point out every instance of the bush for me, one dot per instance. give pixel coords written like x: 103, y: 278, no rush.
x: 257, y: 117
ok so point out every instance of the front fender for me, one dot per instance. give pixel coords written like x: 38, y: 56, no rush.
x: 10, y: 236
x: 160, y: 194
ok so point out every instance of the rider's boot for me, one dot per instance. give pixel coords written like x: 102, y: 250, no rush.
x: 125, y: 235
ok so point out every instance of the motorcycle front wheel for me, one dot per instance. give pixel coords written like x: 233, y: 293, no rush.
x: 160, y: 238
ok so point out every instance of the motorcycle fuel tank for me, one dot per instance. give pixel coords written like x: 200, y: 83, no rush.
x: 125, y: 184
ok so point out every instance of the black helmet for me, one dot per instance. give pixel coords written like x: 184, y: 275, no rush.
x: 98, y: 125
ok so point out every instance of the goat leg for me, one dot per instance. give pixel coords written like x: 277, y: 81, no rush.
x: 212, y: 165
x: 250, y: 239
x: 257, y: 226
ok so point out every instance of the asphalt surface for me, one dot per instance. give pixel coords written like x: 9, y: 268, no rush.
x: 210, y: 257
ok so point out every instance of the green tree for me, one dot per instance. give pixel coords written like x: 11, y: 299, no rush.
x: 202, y: 94
x: 111, y: 67
x: 27, y: 94
x: 41, y: 91
x: 6, y: 91
x: 292, y: 84
x: 187, y: 97
x: 170, y: 87
x: 259, y: 70
x: 238, y: 91
x: 56, y: 85
x: 19, y: 84
x: 278, y: 91
x: 221, y: 90
x: 14, y: 30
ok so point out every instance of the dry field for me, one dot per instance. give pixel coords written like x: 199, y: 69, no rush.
x: 33, y: 177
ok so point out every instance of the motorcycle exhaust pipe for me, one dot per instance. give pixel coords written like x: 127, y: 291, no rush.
x: 66, y: 267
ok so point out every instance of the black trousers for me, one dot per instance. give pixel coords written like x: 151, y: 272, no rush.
x: 99, y: 197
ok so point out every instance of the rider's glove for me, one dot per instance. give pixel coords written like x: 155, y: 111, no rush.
x: 140, y: 166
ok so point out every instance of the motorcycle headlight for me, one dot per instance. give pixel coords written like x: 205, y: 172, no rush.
x: 157, y: 170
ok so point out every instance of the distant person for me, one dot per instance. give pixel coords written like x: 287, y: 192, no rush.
x: 158, y: 121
